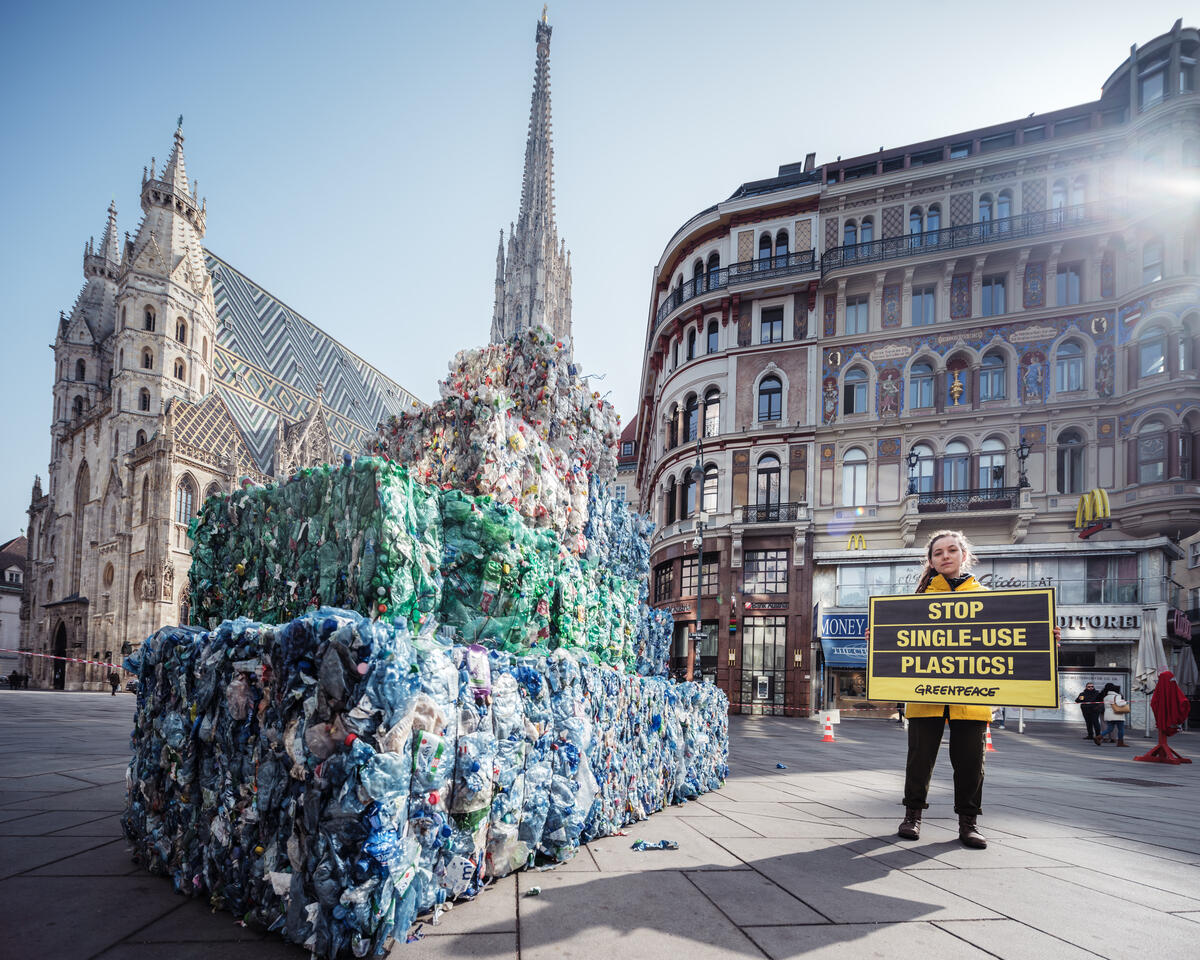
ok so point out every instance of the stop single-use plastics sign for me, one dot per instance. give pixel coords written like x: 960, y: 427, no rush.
x: 990, y: 647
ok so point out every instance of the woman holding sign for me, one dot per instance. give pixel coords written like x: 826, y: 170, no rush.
x: 948, y: 561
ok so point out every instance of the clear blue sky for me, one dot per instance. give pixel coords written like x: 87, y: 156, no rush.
x: 359, y: 158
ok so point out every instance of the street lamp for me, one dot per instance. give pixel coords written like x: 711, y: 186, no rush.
x: 1022, y: 450
x: 697, y: 475
x: 913, y: 460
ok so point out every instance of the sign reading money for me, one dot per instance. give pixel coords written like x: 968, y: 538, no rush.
x: 989, y: 647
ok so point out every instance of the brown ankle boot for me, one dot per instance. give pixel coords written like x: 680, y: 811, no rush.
x: 1122, y: 743
x: 968, y: 835
x: 910, y: 827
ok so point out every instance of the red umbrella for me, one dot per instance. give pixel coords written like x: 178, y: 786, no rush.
x: 1170, y: 707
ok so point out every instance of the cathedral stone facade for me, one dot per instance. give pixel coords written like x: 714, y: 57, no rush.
x: 175, y: 377
x: 533, y: 279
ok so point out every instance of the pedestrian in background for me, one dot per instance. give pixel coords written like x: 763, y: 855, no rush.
x: 1115, y: 709
x: 114, y: 681
x: 1090, y: 702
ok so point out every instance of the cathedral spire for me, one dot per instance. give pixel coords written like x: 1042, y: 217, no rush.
x: 175, y: 172
x: 535, y: 289
x: 110, y: 246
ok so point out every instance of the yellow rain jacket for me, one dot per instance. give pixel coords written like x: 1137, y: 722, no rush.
x: 958, y: 711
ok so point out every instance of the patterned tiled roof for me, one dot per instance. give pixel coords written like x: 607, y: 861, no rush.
x: 210, y: 426
x: 270, y: 362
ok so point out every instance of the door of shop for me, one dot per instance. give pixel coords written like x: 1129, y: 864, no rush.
x: 764, y: 674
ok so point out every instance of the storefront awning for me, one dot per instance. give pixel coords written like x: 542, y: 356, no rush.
x: 844, y: 651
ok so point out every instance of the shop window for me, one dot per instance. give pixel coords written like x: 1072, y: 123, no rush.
x: 764, y: 571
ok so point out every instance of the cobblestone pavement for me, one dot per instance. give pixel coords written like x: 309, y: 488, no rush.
x: 1091, y: 855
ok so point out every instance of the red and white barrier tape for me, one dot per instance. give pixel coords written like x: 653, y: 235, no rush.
x: 50, y: 656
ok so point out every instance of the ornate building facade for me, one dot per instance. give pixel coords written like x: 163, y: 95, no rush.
x: 975, y: 331
x: 175, y: 377
x: 533, y: 278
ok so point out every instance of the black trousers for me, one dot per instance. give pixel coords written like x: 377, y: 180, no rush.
x: 1094, y: 719
x: 968, y: 740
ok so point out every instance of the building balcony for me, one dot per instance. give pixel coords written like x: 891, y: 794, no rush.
x: 773, y: 512
x: 768, y: 268
x: 957, y: 501
x: 1021, y: 227
x: 1170, y: 508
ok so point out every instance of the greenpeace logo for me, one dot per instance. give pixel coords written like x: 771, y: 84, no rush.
x: 943, y: 690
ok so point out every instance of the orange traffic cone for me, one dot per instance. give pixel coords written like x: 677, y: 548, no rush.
x: 990, y: 748
x: 828, y: 738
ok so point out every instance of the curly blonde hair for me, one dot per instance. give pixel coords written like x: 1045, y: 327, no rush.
x: 969, y: 559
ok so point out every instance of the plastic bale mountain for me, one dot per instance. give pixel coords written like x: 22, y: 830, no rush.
x: 334, y: 777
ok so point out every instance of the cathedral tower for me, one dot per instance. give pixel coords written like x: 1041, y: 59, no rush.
x: 533, y: 279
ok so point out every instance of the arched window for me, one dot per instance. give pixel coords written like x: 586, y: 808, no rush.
x: 1068, y: 367
x: 714, y: 269
x: 139, y: 586
x: 1152, y: 453
x: 180, y: 370
x: 956, y: 466
x: 764, y: 251
x: 712, y: 336
x: 141, y: 437
x: 148, y: 319
x: 921, y: 476
x: 77, y: 406
x: 673, y: 427
x: 204, y: 350
x: 933, y: 221
x: 213, y: 489
x: 850, y: 233
x: 1004, y: 211
x: 1152, y: 261
x: 80, y: 370
x: 1152, y: 352
x: 691, y: 419
x: 49, y: 589
x: 991, y: 464
x: 121, y: 359
x: 708, y: 498
x: 920, y: 386
x: 1070, y: 462
x: 854, y: 391
x: 987, y: 211
x: 1078, y: 192
x: 670, y: 497
x: 916, y: 225
x: 767, y: 481
x: 688, y: 506
x: 712, y: 412
x: 992, y: 377
x: 770, y: 399
x: 202, y: 384
x: 181, y: 330
x: 866, y: 230
x: 691, y: 344
x: 1058, y: 199
x: 185, y: 500
x: 854, y: 478
x: 144, y: 400
x: 124, y: 318
x: 698, y: 276
x: 781, y: 246
x: 147, y: 359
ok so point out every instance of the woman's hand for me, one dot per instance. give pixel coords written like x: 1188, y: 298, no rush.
x: 1057, y: 638
x: 867, y: 635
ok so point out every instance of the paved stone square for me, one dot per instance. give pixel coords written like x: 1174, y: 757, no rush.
x: 1091, y: 854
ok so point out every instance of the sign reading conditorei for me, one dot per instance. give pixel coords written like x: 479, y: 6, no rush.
x: 990, y: 647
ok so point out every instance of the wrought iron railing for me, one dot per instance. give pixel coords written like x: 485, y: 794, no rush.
x: 970, y: 235
x: 767, y: 268
x: 952, y: 501
x: 772, y: 512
